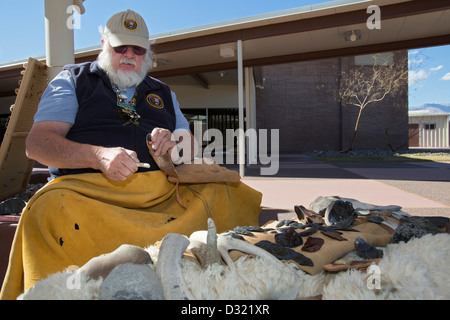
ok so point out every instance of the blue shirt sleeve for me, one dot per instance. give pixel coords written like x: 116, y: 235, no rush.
x: 181, y: 122
x: 59, y: 100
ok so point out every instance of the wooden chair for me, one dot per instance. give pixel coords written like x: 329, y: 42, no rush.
x: 15, y: 167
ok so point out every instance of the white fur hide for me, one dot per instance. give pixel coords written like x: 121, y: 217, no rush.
x: 415, y: 270
x: 418, y: 269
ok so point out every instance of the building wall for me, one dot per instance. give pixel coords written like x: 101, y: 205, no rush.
x: 299, y: 99
x: 433, y: 130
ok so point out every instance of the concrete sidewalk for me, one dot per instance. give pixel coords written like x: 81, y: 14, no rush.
x: 420, y: 188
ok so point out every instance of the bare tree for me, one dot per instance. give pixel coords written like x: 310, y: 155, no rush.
x: 365, y: 85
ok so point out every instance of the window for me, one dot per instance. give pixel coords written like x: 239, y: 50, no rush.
x: 221, y: 119
x: 430, y: 126
x: 386, y: 58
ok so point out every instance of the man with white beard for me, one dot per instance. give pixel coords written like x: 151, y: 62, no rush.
x: 91, y: 129
x: 66, y: 136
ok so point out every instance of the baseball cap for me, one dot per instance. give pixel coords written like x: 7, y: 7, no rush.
x: 127, y: 28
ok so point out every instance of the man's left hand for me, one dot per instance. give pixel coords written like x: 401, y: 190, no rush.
x: 162, y: 141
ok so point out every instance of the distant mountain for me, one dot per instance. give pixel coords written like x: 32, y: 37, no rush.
x: 432, y: 108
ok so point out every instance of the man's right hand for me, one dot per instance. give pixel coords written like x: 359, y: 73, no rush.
x: 118, y: 164
x: 47, y: 144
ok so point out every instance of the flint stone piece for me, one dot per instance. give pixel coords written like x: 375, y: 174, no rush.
x: 413, y: 227
x: 12, y: 206
x: 321, y: 204
x: 131, y: 282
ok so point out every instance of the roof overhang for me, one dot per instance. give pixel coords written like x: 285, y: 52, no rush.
x: 308, y: 33
x: 418, y: 114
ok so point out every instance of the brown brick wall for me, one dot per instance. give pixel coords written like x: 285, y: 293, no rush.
x: 299, y: 100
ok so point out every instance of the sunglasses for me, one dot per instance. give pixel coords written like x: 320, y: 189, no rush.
x: 139, y: 51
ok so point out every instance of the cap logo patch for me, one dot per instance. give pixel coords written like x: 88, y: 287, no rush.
x: 155, y: 101
x: 130, y: 24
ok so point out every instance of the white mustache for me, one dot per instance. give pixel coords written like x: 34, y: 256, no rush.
x: 128, y: 61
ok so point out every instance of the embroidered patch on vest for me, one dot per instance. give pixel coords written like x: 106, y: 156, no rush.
x: 155, y: 101
x: 130, y: 24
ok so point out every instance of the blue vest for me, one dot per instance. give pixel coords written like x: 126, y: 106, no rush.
x: 98, y: 122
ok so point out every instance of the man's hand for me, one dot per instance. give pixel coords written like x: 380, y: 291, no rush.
x: 162, y: 141
x: 47, y: 143
x: 118, y: 164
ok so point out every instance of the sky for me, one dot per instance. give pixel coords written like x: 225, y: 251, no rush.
x: 429, y: 76
x: 23, y: 33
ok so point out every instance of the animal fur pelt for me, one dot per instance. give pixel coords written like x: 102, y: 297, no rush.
x: 417, y: 269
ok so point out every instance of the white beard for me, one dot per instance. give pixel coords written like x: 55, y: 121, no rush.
x: 123, y: 79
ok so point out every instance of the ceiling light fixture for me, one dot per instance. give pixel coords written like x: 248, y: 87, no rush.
x: 158, y: 62
x: 352, y: 35
x: 227, y: 52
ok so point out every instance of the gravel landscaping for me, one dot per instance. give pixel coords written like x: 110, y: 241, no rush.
x: 383, y: 155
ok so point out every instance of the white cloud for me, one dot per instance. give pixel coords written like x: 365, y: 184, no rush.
x: 437, y: 68
x: 415, y: 62
x: 415, y: 77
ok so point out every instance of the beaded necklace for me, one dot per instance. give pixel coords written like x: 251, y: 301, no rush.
x: 127, y: 111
